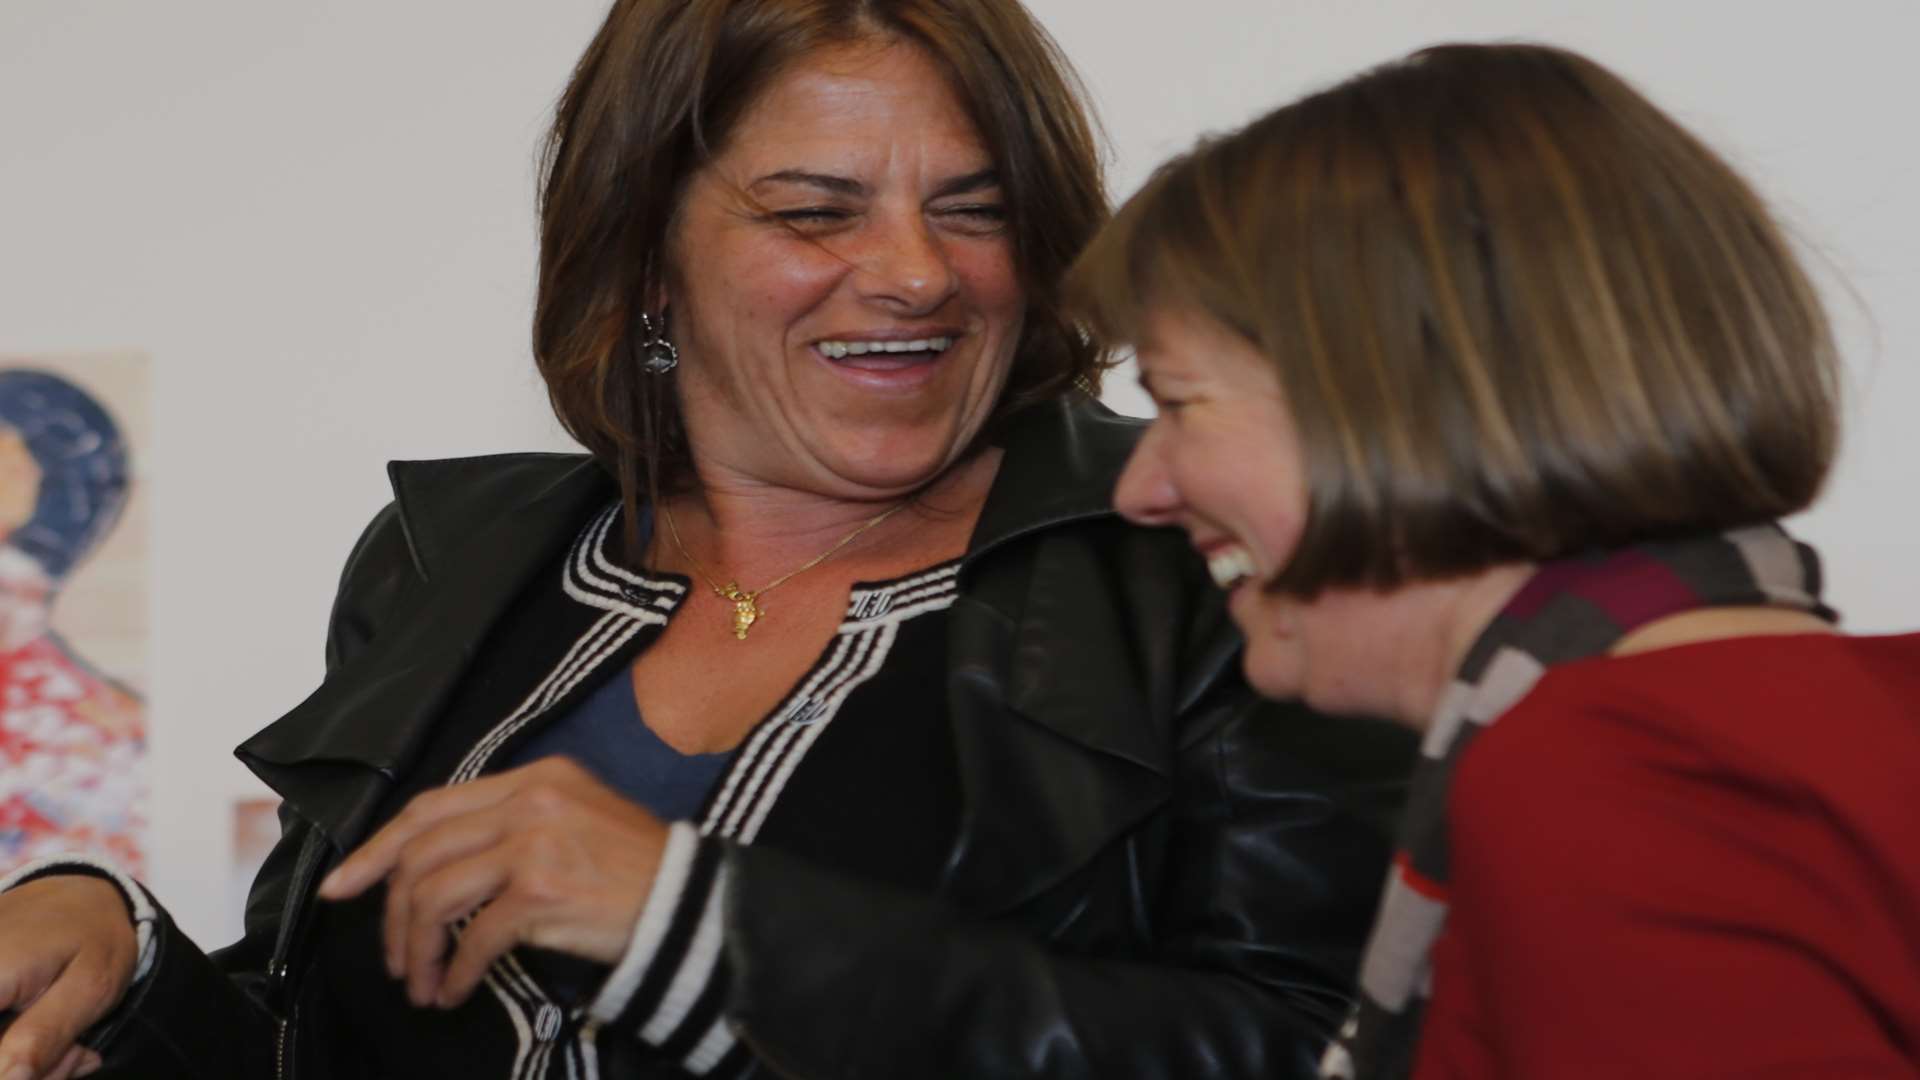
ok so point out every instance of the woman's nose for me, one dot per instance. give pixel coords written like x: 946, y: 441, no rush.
x: 1146, y: 494
x: 907, y: 268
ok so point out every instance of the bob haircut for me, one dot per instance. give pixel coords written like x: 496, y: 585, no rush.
x: 654, y: 98
x: 1517, y: 313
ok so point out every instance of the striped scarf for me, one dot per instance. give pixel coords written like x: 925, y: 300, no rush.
x: 1569, y: 610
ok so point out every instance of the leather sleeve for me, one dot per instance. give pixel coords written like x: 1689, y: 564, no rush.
x: 1274, y: 839
x: 197, y: 1015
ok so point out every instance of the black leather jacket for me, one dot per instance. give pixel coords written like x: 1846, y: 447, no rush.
x: 1157, y: 875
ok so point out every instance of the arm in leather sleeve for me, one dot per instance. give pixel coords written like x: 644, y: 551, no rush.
x: 195, y: 1015
x: 1276, y: 840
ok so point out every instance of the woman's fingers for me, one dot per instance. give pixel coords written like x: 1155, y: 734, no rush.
x: 438, y: 901
x: 69, y: 1065
x: 497, y: 928
x: 425, y: 855
x: 375, y: 859
x: 67, y: 953
x: 544, y: 846
x: 42, y: 1037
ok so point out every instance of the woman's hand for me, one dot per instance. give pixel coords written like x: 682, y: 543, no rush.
x: 540, y: 855
x: 67, y: 955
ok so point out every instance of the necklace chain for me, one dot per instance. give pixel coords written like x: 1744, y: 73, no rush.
x: 746, y: 603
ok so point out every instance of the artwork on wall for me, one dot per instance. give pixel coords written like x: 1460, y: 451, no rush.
x: 73, y: 607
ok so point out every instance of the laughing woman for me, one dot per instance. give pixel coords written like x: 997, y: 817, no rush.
x: 826, y: 721
x: 1489, y: 383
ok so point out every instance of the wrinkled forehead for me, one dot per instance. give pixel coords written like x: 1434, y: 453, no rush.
x: 860, y: 105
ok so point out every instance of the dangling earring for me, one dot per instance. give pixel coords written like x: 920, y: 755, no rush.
x: 657, y: 355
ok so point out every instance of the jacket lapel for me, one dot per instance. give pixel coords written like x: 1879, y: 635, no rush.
x: 335, y: 755
x: 1062, y: 460
x: 1060, y: 748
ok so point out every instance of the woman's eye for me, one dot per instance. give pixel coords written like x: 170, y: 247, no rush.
x: 982, y: 216
x: 813, y: 215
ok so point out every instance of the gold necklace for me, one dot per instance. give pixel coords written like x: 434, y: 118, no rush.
x: 746, y: 604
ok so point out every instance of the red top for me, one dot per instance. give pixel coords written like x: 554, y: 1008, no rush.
x: 1701, y: 861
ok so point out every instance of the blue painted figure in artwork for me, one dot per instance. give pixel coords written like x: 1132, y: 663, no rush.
x: 71, y: 738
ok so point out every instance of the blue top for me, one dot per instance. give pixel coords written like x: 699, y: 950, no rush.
x: 605, y: 735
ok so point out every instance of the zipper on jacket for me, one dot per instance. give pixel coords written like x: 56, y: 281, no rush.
x: 283, y: 1045
x: 281, y: 997
x: 313, y: 855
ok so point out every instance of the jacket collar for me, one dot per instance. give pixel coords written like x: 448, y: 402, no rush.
x: 1066, y: 456
x: 477, y: 529
x: 502, y: 504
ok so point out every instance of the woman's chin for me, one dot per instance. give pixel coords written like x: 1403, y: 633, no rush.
x: 894, y: 466
x: 1273, y: 666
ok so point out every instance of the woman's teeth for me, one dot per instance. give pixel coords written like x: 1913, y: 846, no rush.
x: 1230, y: 566
x: 839, y: 350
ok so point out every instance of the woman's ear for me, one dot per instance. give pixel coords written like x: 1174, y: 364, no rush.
x: 657, y: 282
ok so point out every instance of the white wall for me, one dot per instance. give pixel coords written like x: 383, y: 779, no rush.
x: 317, y: 219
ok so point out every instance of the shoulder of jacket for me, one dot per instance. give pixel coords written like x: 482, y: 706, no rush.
x: 441, y: 486
x: 438, y: 502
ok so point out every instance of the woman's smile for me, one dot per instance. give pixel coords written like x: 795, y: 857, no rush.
x: 899, y: 361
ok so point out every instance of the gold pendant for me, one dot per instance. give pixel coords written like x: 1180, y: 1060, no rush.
x: 745, y: 611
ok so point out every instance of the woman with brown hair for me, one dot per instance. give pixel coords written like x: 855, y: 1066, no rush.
x: 1483, y: 385
x: 826, y: 721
